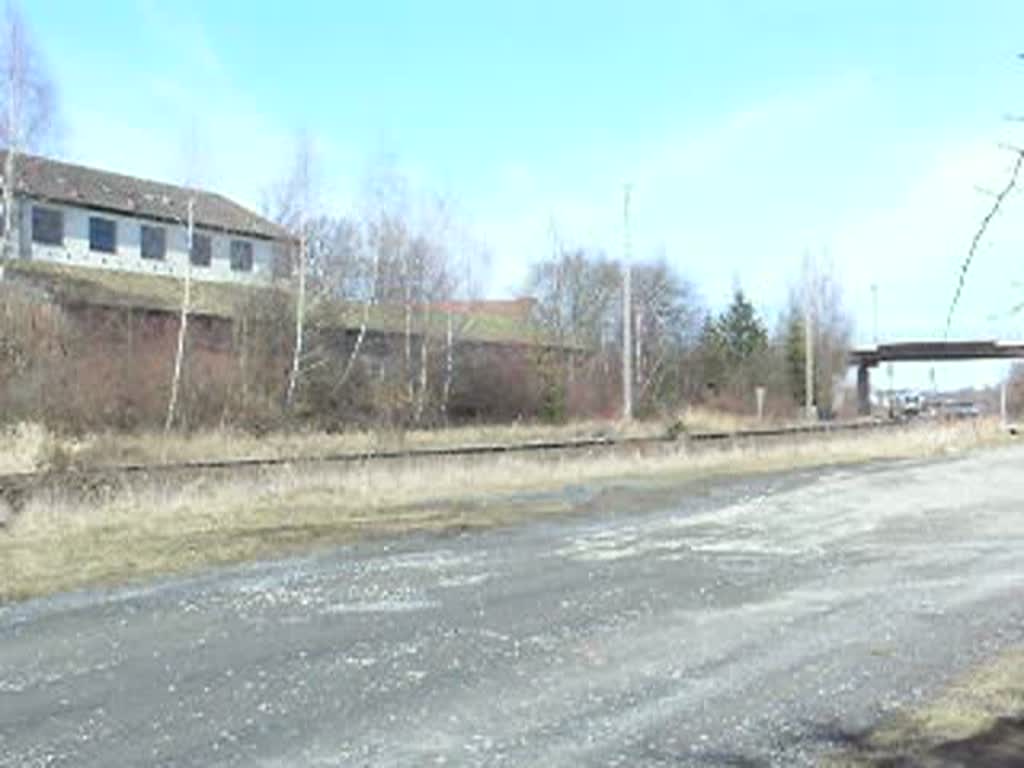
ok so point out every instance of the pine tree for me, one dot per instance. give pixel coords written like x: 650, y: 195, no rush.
x: 740, y: 331
x: 795, y: 355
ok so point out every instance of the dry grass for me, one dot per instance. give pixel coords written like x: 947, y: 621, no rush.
x: 968, y: 710
x: 27, y: 447
x: 54, y: 544
x: 698, y: 419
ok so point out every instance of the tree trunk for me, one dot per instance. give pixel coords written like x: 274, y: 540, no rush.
x: 8, y: 249
x: 808, y: 356
x: 186, y: 300
x: 243, y: 363
x: 408, y: 341
x: 362, y: 326
x: 300, y: 317
x: 9, y: 160
x: 449, y: 369
x: 638, y: 358
x: 627, y: 343
x: 422, y: 399
x: 356, y: 347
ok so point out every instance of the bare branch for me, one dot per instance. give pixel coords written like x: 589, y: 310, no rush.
x: 980, y: 233
x: 1009, y: 147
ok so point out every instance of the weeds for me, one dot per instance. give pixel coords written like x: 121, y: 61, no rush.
x: 28, y: 446
x: 55, y: 543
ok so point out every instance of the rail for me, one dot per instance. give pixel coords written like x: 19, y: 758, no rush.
x: 16, y: 487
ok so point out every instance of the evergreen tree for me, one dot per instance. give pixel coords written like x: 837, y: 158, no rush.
x: 794, y: 351
x: 740, y: 331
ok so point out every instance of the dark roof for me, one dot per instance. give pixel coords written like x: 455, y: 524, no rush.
x: 53, y: 180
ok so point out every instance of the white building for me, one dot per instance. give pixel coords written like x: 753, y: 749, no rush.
x: 83, y: 217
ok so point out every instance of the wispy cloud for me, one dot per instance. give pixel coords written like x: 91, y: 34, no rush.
x: 185, y: 36
x: 189, y: 96
x: 709, y: 195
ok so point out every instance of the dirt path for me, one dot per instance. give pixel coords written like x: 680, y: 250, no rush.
x: 758, y: 622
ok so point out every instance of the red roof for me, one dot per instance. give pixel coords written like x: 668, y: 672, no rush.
x: 516, y: 308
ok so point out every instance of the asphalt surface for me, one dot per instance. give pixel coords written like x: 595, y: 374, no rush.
x: 750, y: 623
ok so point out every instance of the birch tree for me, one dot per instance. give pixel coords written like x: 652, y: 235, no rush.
x: 192, y: 162
x: 186, y: 308
x: 368, y: 297
x: 292, y: 203
x: 819, y: 295
x: 29, y: 108
x: 434, y: 259
x: 578, y: 306
x: 417, y: 269
x: 397, y: 256
x: 668, y: 317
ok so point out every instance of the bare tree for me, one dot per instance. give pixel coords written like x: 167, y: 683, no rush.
x: 392, y: 262
x: 833, y: 331
x: 29, y: 108
x: 577, y: 296
x: 668, y: 316
x: 826, y: 339
x: 417, y: 269
x: 186, y: 308
x: 578, y: 307
x: 449, y: 364
x: 437, y: 278
x: 192, y: 161
x: 292, y: 208
x: 979, y: 234
x: 300, y: 320
x: 367, y: 301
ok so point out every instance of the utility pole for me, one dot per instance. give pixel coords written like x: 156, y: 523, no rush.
x: 892, y: 404
x: 874, y: 312
x: 13, y: 140
x: 627, y: 309
x: 808, y: 342
x: 638, y: 346
x: 1002, y: 403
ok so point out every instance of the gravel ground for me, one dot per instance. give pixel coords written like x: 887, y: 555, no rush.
x: 752, y: 623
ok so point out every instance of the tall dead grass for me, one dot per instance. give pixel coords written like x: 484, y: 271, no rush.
x: 55, y: 544
x: 700, y: 419
x: 29, y: 446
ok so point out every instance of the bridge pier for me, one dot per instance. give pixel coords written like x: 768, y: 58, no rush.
x: 863, y: 390
x: 924, y: 351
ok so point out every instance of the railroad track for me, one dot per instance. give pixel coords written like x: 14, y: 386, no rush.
x: 16, y: 488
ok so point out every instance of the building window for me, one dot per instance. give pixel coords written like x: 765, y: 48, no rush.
x: 47, y: 226
x: 241, y: 255
x: 102, y: 234
x: 202, y: 250
x: 153, y: 243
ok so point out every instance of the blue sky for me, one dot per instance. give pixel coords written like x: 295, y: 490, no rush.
x: 865, y: 132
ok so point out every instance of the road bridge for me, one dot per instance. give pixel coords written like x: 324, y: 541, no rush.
x: 867, y: 358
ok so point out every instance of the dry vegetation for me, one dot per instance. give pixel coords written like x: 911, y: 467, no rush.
x: 27, y: 447
x: 56, y: 543
x: 966, y: 725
